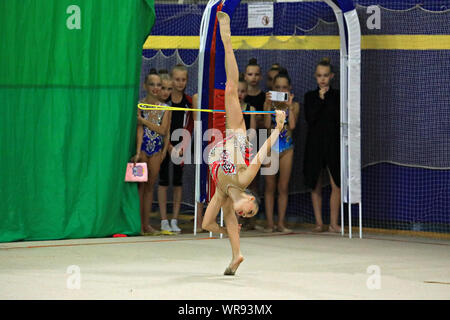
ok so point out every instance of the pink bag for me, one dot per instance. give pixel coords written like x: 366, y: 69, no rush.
x: 136, y: 173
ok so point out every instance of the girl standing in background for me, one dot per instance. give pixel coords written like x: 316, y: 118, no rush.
x: 284, y: 147
x: 152, y: 126
x: 322, y: 153
x: 178, y: 98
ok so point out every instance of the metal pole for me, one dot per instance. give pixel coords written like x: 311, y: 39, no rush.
x: 354, y: 112
x: 195, y: 219
x: 350, y: 217
x: 360, y: 220
x: 342, y: 217
x: 198, y: 161
x: 198, y: 139
x: 343, y: 105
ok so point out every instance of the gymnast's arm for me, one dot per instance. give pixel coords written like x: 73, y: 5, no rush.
x: 139, y: 138
x: 160, y: 129
x: 294, y: 110
x: 249, y: 174
x: 268, y: 107
x: 209, y: 219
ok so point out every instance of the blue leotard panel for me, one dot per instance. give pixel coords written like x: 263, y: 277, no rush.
x: 152, y: 141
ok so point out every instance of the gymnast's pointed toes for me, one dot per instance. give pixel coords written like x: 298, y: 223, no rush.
x: 223, y: 16
x: 229, y: 272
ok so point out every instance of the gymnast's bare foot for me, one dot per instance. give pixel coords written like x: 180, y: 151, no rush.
x: 224, y: 22
x: 234, y: 265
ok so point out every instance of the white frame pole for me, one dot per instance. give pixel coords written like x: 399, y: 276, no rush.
x: 198, y: 136
x: 360, y: 220
x: 197, y: 155
x: 354, y: 112
x: 350, y: 104
x: 343, y: 102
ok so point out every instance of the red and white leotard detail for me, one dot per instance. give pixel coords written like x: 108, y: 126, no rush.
x: 222, y: 157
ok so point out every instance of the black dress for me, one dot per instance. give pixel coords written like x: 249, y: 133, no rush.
x: 247, y: 117
x: 323, y: 138
x: 256, y: 101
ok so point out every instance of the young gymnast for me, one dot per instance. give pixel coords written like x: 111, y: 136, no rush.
x: 255, y: 96
x: 271, y: 74
x: 284, y: 147
x: 153, y: 125
x: 322, y: 150
x: 178, y: 98
x: 228, y: 160
x: 250, y: 120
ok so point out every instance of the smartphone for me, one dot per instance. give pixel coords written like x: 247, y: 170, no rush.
x: 279, y: 96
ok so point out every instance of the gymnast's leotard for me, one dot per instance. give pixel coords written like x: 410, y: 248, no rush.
x: 152, y: 141
x: 227, y: 158
x: 284, y: 141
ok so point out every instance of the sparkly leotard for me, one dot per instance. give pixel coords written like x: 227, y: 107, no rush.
x: 227, y: 158
x: 152, y: 141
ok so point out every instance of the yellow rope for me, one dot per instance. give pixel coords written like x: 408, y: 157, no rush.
x: 157, y: 107
x: 146, y: 106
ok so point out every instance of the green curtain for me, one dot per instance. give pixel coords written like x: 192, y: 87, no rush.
x: 69, y: 82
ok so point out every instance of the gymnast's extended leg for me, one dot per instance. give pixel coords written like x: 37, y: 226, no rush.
x: 234, y: 118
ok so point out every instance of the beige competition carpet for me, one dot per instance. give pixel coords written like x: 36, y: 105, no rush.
x: 300, y: 265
